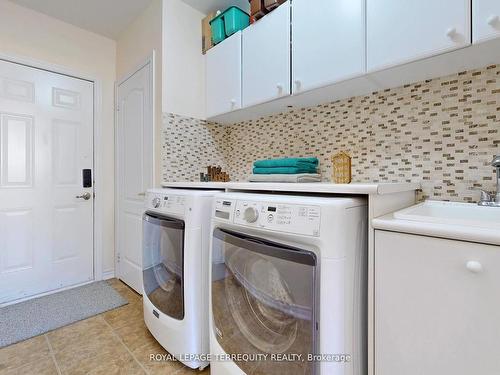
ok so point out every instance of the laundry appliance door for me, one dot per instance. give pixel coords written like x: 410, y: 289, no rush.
x: 163, y: 263
x: 264, y: 303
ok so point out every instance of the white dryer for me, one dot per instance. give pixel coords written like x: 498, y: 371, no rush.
x: 176, y: 236
x: 288, y: 285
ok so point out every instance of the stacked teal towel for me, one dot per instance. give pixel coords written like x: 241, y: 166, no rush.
x: 286, y: 166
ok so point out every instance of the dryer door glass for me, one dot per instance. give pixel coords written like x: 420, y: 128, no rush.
x: 163, y: 263
x: 264, y: 302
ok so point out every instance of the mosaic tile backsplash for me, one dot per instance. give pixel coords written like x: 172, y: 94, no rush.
x: 442, y: 132
x: 189, y: 145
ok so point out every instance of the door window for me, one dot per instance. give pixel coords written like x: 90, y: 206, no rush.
x: 264, y: 301
x: 163, y: 263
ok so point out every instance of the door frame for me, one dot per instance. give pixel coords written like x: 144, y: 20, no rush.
x: 150, y: 59
x: 98, y: 273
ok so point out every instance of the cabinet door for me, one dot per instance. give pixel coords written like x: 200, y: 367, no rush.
x: 485, y: 19
x: 328, y: 42
x: 405, y: 30
x: 436, y: 306
x: 266, y: 57
x: 223, y: 72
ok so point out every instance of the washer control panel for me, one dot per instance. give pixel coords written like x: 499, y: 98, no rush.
x: 280, y: 217
x: 166, y: 203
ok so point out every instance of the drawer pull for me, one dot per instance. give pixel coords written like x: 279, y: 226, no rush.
x: 451, y: 32
x: 474, y: 266
x: 492, y: 20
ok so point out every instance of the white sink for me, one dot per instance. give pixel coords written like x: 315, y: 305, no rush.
x: 452, y: 213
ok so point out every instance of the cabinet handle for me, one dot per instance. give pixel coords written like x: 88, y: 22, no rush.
x: 474, y: 266
x: 451, y: 32
x: 492, y: 20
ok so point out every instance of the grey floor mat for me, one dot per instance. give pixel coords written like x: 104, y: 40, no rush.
x: 31, y: 318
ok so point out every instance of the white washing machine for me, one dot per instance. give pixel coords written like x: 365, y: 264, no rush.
x: 288, y: 285
x: 176, y: 236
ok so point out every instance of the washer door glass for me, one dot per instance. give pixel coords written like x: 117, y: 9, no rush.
x: 163, y: 263
x: 264, y: 302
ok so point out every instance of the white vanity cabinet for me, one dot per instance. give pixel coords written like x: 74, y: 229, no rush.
x: 223, y: 76
x: 437, y: 306
x: 485, y: 20
x: 328, y: 42
x: 399, y: 31
x: 266, y: 57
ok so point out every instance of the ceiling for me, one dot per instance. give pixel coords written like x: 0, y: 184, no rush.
x: 207, y: 6
x: 105, y: 17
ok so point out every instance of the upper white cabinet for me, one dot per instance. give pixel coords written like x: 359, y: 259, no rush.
x: 328, y: 42
x: 399, y: 31
x: 223, y: 76
x: 310, y: 52
x: 266, y: 57
x: 485, y: 19
x: 436, y: 306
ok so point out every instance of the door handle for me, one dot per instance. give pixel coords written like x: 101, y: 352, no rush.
x: 141, y: 194
x: 85, y: 196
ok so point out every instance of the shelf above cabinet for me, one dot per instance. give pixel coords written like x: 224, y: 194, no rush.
x: 208, y: 6
x: 471, y: 57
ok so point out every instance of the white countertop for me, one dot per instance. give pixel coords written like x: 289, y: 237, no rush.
x: 432, y: 229
x: 317, y: 187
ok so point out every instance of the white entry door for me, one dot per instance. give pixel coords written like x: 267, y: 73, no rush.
x: 46, y: 141
x: 134, y: 170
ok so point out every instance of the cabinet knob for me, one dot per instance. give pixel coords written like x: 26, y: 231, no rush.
x: 492, y: 20
x: 451, y: 32
x: 474, y: 266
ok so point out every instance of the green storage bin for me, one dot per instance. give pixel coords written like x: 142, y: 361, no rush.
x: 227, y: 23
x: 235, y: 20
x: 218, y: 30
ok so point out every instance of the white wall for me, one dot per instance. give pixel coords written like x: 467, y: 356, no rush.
x: 28, y: 34
x: 134, y: 46
x: 183, y: 62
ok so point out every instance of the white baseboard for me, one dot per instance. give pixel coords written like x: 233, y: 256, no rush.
x: 108, y: 274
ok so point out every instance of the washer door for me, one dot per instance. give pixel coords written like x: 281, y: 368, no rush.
x: 163, y: 263
x: 264, y: 302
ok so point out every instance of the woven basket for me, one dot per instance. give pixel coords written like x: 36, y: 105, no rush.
x: 341, y: 168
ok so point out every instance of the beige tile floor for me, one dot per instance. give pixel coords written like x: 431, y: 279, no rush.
x: 115, y: 342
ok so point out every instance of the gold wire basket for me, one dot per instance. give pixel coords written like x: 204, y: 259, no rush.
x: 342, y: 169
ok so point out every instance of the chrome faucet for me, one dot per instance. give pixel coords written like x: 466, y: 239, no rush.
x: 488, y: 199
x: 496, y: 163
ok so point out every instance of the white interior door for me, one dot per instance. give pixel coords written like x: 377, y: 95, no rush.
x: 135, y: 155
x: 46, y: 140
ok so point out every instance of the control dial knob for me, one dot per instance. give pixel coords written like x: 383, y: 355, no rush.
x: 156, y: 202
x: 250, y: 215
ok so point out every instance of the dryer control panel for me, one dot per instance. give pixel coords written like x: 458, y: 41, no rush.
x: 167, y: 203
x: 279, y: 217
